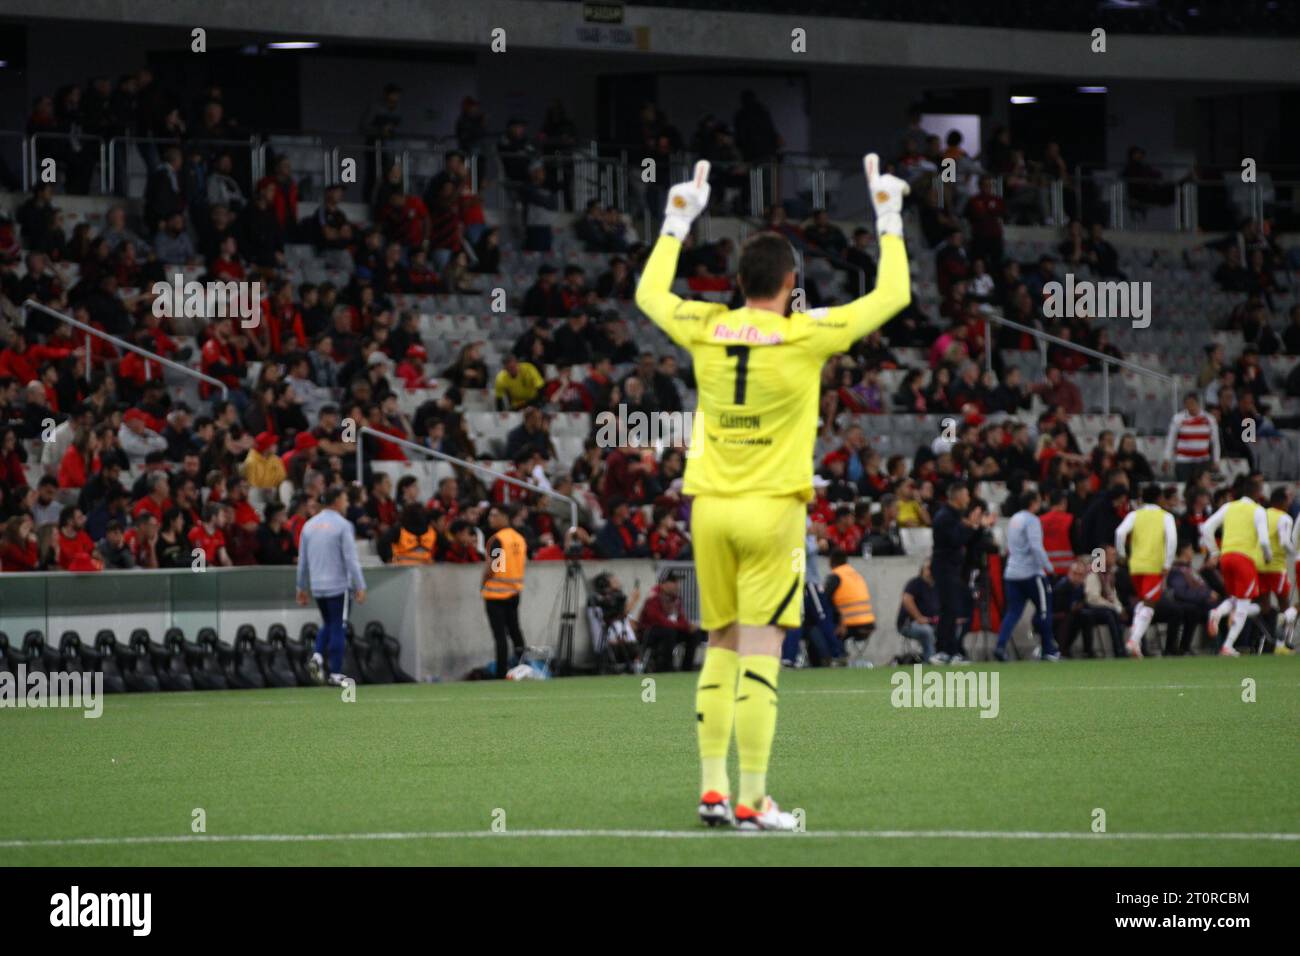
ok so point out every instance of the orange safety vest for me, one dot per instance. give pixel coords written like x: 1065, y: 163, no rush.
x: 852, y: 598
x: 507, y: 553
x: 414, y: 549
x: 1056, y: 540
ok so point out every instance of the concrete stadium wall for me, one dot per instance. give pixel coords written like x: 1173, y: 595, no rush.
x: 435, y: 612
x: 558, y: 25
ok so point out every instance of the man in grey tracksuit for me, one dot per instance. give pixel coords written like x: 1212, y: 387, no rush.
x: 1027, y: 577
x: 329, y: 568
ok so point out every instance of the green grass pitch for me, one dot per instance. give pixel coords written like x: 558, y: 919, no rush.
x: 412, y: 774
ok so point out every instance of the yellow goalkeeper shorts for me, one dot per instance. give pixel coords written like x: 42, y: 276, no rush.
x: 749, y: 560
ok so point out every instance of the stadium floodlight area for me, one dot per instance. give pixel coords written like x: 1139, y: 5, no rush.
x: 128, y: 346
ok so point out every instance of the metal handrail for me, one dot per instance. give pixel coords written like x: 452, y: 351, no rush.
x: 33, y: 163
x: 128, y: 140
x: 480, y: 470
x: 24, y: 149
x: 1106, y: 360
x: 123, y: 344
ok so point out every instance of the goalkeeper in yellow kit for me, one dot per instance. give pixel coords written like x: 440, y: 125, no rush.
x: 750, y: 469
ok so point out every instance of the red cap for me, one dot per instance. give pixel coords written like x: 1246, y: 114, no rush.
x: 265, y: 441
x: 304, y: 441
x: 417, y: 351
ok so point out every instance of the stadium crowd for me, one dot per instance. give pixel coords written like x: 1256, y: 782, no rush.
x: 131, y: 478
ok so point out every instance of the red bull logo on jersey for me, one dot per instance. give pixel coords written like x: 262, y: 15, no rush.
x: 747, y: 334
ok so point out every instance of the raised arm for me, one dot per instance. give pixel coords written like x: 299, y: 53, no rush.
x: 654, y: 296
x: 1211, y: 525
x: 845, y: 324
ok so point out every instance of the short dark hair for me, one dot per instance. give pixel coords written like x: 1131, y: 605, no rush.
x: 1152, y: 493
x: 764, y: 261
x: 333, y: 493
x: 1028, y: 499
x: 838, y: 557
x: 1278, y: 498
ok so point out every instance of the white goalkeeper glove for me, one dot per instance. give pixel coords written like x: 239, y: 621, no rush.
x: 887, y: 194
x: 685, y: 202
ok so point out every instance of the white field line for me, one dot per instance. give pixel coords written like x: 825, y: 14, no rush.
x: 701, y: 834
x: 635, y: 691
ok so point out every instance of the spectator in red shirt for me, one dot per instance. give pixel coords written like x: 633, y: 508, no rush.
x: 385, y: 417
x: 135, y: 368
x: 411, y: 370
x: 446, y: 501
x: 667, y: 542
x: 157, y: 502
x: 142, y: 541
x: 18, y: 550
x: 246, y: 517
x: 227, y: 265
x: 75, y: 549
x: 844, y: 534
x: 281, y: 319
x: 13, y: 475
x: 405, y: 219
x: 223, y: 359
x: 306, y: 507
x: 663, y: 625
x: 421, y: 279
x: 80, y: 461
x: 209, y: 537
x: 380, y: 506
x: 821, y: 508
x: 624, y: 477
x: 22, y: 361
x: 461, y: 545
x: 285, y: 202
x: 986, y: 213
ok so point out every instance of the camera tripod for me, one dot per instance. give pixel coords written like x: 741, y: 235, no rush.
x: 569, y: 606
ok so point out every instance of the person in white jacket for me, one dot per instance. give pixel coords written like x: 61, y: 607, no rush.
x: 138, y: 439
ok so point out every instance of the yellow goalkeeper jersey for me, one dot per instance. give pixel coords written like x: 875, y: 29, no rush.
x: 758, y: 374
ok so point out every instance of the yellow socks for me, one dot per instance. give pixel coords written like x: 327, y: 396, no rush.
x: 755, y: 724
x: 715, y: 710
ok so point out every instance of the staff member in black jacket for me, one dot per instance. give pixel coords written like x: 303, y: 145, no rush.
x: 955, y: 526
